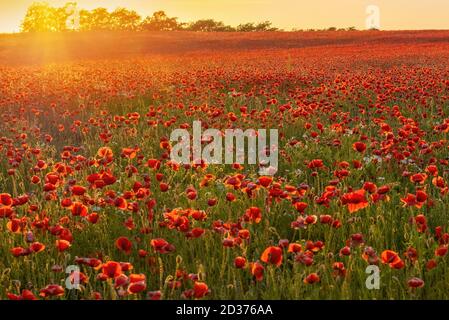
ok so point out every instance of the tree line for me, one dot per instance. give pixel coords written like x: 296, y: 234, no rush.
x: 41, y: 17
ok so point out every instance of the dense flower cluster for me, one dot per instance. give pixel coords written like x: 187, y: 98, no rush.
x: 86, y: 178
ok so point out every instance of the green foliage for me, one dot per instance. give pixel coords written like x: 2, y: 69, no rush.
x: 40, y: 17
x: 123, y: 19
x: 159, y: 21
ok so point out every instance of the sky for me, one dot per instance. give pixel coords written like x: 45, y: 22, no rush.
x: 286, y: 14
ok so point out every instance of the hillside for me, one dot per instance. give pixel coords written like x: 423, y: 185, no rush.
x: 48, y: 48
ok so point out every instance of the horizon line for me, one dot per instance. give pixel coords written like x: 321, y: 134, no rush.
x: 227, y: 32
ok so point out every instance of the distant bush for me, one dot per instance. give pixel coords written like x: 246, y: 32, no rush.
x: 208, y: 25
x: 251, y: 27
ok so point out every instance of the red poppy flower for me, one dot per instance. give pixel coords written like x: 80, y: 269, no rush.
x: 129, y: 153
x: 16, y: 225
x: 359, y: 147
x: 28, y: 295
x: 431, y: 264
x: 154, y: 164
x: 441, y: 251
x: 162, y: 246
x: 253, y: 214
x: 137, y: 287
x: 392, y: 259
x: 314, y: 246
x: 421, y: 196
x: 197, y: 232
x: 339, y: 269
x: 66, y: 203
x: 163, y: 187
x: 421, y: 223
x: 78, y: 190
x: 244, y: 234
x: 191, y: 194
x: 20, y: 251
x: 300, y: 206
x: 257, y: 270
x: 126, y: 266
x: 311, y: 219
x: 312, y: 278
x: 315, y: 164
x: 433, y: 170
x: 418, y: 178
x: 272, y: 255
x: 230, y: 197
x: 5, y: 199
x: 137, y: 283
x: 35, y: 180
x: 25, y: 295
x: 106, y: 154
x: 370, y: 187
x: 326, y: 219
x: 355, y: 201
x: 121, y: 203
x: 345, y: 251
x: 212, y: 202
x: 52, y: 290
x: 240, y: 262
x: 411, y: 254
x: 93, y: 218
x: 123, y: 244
x: 154, y: 295
x: 410, y: 201
x: 389, y: 256
x: 62, y: 245
x: 111, y: 269
x: 200, y: 289
x: 6, y: 212
x: 439, y: 182
x: 283, y: 243
x: 415, y: 283
x: 79, y: 209
x: 294, y: 248
x: 121, y: 281
x: 37, y: 247
x: 265, y: 181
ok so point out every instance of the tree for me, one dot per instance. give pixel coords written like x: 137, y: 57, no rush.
x: 97, y: 19
x: 124, y: 19
x: 265, y: 26
x: 159, y: 21
x: 252, y: 27
x: 208, y: 25
x: 85, y: 20
x: 40, y: 17
x: 246, y: 27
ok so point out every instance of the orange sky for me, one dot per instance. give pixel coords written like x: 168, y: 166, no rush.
x: 287, y: 14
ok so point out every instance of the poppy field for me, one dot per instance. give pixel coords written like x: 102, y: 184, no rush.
x: 92, y: 206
